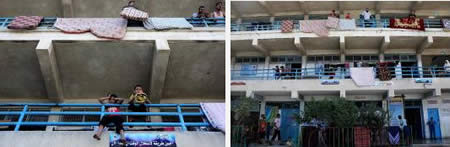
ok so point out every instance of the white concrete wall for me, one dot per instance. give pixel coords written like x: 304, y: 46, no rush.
x: 444, y: 114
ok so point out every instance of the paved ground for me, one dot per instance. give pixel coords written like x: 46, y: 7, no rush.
x: 417, y: 143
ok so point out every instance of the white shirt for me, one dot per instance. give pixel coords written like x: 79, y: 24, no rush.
x: 366, y: 15
x: 277, y: 122
x: 403, y: 123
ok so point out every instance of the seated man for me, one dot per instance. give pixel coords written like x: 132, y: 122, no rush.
x: 218, y: 13
x: 202, y: 13
x: 112, y: 118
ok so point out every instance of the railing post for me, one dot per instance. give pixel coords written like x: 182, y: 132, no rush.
x: 22, y: 115
x: 183, y: 126
x: 103, y: 112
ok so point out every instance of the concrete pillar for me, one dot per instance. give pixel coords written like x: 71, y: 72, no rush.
x: 384, y: 104
x: 306, y: 17
x: 249, y: 93
x: 49, y: 68
x: 419, y: 65
x: 381, y: 57
x: 159, y: 69
x: 266, y: 63
x: 53, y: 118
x: 233, y: 62
x: 342, y: 58
x: 262, y: 108
x: 302, y: 105
x: 342, y: 93
x: 377, y: 16
x: 304, y: 62
x: 294, y: 94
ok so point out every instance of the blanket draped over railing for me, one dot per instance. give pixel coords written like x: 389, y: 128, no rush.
x: 407, y: 23
x: 215, y: 112
x: 446, y: 24
x: 166, y: 23
x: 287, y: 26
x: 114, y: 28
x: 25, y: 22
x: 363, y: 76
x: 347, y: 24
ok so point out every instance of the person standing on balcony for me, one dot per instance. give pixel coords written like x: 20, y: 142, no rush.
x: 412, y: 14
x: 447, y: 67
x: 137, y: 104
x: 348, y: 16
x: 111, y: 118
x: 333, y: 14
x: 276, y: 128
x: 218, y: 13
x: 282, y: 72
x: 398, y: 71
x: 365, y: 15
x: 277, y: 72
x: 202, y: 13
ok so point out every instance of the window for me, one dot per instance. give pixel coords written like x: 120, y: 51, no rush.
x: 250, y: 59
x: 401, y: 58
x: 358, y: 58
x: 286, y: 59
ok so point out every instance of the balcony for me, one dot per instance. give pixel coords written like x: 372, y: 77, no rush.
x: 374, y: 23
x: 48, y: 22
x: 335, y: 73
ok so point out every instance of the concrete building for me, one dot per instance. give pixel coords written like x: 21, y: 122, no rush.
x: 258, y: 45
x: 46, y: 65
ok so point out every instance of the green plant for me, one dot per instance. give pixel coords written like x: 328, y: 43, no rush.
x: 241, y: 112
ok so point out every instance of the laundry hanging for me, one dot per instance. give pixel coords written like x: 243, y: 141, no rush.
x: 314, y: 26
x: 287, y: 26
x: 215, y: 113
x: 347, y: 24
x: 332, y: 22
x: 166, y: 23
x: 114, y: 28
x: 363, y: 76
x: 407, y: 23
x: 25, y: 22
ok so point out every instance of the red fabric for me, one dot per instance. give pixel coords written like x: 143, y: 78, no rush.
x: 287, y: 26
x: 362, y: 137
x: 25, y: 22
x: 407, y: 23
x: 169, y: 129
x: 113, y: 109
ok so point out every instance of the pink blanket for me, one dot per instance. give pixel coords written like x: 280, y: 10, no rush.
x: 215, y: 112
x: 318, y: 27
x: 114, y: 28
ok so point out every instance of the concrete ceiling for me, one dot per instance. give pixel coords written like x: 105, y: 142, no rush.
x: 102, y: 8
x: 20, y: 74
x: 406, y: 42
x: 321, y: 43
x: 242, y: 45
x: 363, y: 42
x: 196, y: 69
x: 440, y: 43
x: 277, y: 8
x: 278, y: 44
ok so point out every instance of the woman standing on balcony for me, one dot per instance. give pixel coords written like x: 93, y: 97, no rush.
x: 137, y: 104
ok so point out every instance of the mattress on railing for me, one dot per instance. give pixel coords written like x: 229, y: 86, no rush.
x: 215, y: 112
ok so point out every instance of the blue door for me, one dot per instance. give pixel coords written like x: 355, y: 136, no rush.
x: 434, y: 112
x: 289, y: 125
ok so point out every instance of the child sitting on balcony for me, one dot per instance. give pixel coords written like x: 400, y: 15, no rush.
x: 137, y: 104
x: 112, y: 118
x: 202, y: 13
x: 218, y: 13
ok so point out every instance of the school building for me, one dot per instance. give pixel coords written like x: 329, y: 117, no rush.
x: 317, y: 66
x: 49, y: 77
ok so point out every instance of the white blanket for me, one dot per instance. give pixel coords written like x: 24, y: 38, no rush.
x: 215, y: 112
x: 363, y: 76
x: 347, y: 24
x: 167, y: 23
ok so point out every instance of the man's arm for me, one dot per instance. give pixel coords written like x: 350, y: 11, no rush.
x: 119, y: 100
x: 102, y: 99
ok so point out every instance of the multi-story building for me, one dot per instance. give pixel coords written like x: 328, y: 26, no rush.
x: 318, y: 67
x: 45, y: 65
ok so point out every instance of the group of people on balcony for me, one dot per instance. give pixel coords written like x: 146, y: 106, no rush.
x: 203, y: 13
x: 136, y: 102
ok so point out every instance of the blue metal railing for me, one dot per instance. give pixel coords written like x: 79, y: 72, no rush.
x: 336, y: 73
x: 372, y: 23
x: 196, y: 22
x: 179, y: 113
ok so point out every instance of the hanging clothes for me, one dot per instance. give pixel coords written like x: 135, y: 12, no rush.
x: 287, y: 26
x: 363, y: 76
x: 215, y: 113
x: 347, y: 24
x: 166, y: 23
x: 113, y: 28
x: 317, y: 27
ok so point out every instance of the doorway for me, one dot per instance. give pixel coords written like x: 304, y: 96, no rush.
x: 413, y: 116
